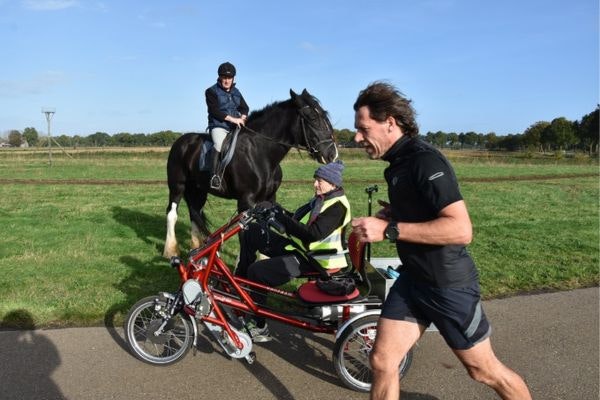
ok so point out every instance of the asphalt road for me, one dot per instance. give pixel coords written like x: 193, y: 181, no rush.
x: 552, y: 340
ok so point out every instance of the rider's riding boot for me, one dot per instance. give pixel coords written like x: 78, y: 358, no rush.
x: 215, y: 181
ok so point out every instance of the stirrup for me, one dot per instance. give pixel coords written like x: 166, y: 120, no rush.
x: 215, y: 182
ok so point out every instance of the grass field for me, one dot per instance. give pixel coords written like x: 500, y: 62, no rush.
x: 81, y: 254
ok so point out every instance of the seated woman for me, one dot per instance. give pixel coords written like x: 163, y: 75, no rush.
x: 317, y: 225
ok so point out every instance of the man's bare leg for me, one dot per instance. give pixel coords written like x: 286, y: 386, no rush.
x: 483, y: 366
x: 394, y: 339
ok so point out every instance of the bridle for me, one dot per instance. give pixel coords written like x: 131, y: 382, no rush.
x: 311, y: 147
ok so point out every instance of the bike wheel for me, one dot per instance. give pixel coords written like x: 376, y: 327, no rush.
x: 351, y: 354
x: 144, y: 319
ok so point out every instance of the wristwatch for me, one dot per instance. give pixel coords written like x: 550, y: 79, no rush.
x: 392, y: 232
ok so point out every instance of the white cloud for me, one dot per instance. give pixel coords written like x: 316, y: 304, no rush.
x: 49, y: 5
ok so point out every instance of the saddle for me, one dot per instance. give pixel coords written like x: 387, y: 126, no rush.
x: 207, y: 152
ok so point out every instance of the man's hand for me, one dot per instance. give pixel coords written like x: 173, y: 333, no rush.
x: 369, y: 229
x: 237, y: 121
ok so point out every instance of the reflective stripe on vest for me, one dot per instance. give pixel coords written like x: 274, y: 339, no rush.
x: 333, y: 241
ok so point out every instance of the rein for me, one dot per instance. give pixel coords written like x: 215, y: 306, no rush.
x: 311, y: 149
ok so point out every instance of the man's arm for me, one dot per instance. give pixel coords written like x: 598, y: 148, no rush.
x: 243, y: 108
x: 212, y: 105
x: 452, y: 226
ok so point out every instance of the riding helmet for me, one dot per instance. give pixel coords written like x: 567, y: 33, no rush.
x: 226, y: 69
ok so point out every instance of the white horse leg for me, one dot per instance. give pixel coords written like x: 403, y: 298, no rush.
x: 171, y: 248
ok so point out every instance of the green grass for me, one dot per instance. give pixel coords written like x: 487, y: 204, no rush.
x: 81, y: 255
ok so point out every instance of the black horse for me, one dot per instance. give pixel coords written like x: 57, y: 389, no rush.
x: 254, y: 173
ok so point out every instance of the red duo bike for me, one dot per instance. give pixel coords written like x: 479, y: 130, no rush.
x: 161, y: 329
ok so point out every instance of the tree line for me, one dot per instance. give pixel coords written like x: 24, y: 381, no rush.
x: 98, y: 139
x: 558, y: 134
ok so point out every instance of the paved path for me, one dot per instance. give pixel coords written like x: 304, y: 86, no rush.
x: 552, y: 340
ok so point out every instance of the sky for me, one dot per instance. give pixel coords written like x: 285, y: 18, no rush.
x: 141, y: 66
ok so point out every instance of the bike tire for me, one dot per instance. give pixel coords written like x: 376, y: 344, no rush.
x: 167, y: 348
x: 351, y: 354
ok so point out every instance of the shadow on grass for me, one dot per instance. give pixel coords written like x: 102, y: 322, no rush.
x: 147, y: 277
x: 150, y: 228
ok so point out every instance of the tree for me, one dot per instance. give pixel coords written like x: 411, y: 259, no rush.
x: 562, y: 132
x: 344, y: 136
x: 163, y: 138
x: 99, y: 139
x: 452, y: 139
x: 532, y: 137
x: 589, y: 129
x: 14, y: 138
x: 470, y: 139
x: 510, y: 142
x: 439, y: 139
x: 490, y: 140
x: 123, y: 139
x: 64, y: 140
x: 31, y: 135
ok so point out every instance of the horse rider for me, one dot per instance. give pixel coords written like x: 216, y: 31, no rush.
x: 227, y: 109
x: 317, y: 225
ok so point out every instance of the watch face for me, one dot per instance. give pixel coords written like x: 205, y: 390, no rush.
x: 391, y: 232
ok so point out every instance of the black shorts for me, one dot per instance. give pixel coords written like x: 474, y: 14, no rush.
x: 456, y: 312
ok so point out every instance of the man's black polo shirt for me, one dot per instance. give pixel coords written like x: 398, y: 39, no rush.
x: 421, y: 182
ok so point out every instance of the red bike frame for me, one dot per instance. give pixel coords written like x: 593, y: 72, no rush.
x: 205, y: 263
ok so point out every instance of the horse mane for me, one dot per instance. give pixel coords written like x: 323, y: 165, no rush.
x: 261, y: 119
x: 268, y: 109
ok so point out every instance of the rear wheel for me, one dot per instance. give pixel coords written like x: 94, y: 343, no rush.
x: 145, y: 338
x: 351, y: 354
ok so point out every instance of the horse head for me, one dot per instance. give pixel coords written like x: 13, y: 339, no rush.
x: 317, y: 132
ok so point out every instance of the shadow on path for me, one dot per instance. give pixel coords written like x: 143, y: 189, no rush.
x: 28, y: 360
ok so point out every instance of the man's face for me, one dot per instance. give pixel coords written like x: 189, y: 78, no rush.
x: 375, y: 137
x: 226, y: 81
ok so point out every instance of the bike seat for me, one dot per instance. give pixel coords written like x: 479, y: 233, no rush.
x: 310, y: 293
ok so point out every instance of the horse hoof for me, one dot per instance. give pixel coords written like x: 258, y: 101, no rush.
x: 168, y: 253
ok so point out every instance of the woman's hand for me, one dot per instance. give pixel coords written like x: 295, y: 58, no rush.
x: 385, y: 212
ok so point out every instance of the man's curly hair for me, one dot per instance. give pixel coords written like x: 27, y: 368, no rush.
x: 383, y: 101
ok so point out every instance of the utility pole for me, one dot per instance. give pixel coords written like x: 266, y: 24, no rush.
x: 49, y: 113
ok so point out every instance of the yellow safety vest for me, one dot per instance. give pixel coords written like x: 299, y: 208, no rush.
x: 333, y: 241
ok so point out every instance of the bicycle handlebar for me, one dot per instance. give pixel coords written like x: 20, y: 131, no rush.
x: 264, y: 215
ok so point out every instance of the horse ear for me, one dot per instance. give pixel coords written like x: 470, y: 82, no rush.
x: 298, y: 100
x: 309, y: 99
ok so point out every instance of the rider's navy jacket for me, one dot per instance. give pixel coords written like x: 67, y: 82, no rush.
x: 421, y: 182
x: 222, y: 103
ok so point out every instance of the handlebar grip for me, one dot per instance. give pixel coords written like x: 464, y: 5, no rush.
x: 278, y: 226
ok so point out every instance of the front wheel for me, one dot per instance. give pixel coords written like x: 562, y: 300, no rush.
x: 152, y: 340
x: 351, y: 354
